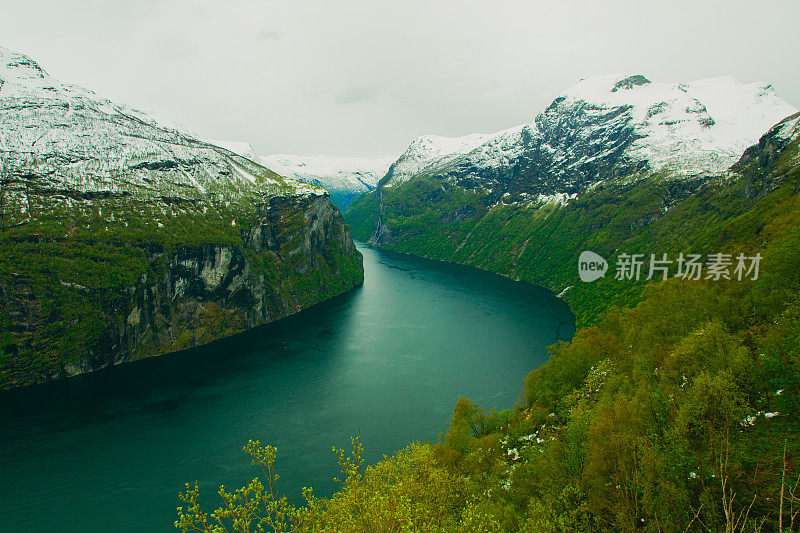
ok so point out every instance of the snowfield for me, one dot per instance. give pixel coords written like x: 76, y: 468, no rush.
x: 697, y: 127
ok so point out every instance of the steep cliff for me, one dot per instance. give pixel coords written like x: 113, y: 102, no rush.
x: 124, y: 237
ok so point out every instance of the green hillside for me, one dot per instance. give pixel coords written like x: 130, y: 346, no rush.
x: 675, y: 410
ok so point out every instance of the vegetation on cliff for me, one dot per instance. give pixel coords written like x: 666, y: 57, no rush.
x: 97, y: 283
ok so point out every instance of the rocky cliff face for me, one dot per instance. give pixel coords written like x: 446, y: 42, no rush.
x: 125, y: 237
x: 295, y: 254
x: 774, y: 149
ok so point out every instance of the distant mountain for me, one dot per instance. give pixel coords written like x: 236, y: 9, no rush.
x: 606, y: 159
x: 345, y: 178
x: 429, y: 151
x: 125, y: 236
x: 602, y: 127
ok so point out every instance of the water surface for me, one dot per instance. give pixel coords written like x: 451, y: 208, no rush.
x: 109, y: 451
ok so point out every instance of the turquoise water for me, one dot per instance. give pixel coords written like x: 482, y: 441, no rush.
x: 110, y: 451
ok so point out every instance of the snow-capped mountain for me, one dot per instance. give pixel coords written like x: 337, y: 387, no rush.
x: 603, y: 127
x: 344, y: 177
x: 125, y: 236
x: 431, y: 149
x: 700, y: 127
x: 74, y: 139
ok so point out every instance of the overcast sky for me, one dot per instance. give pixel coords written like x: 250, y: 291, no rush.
x: 363, y: 78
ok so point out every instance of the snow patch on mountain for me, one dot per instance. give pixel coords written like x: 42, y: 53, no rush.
x: 344, y: 177
x: 427, y: 150
x: 71, y: 139
x: 689, y: 128
x: 558, y: 199
x: 502, y: 148
x: 789, y: 129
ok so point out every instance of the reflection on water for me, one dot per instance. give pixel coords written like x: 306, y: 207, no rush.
x: 110, y: 450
